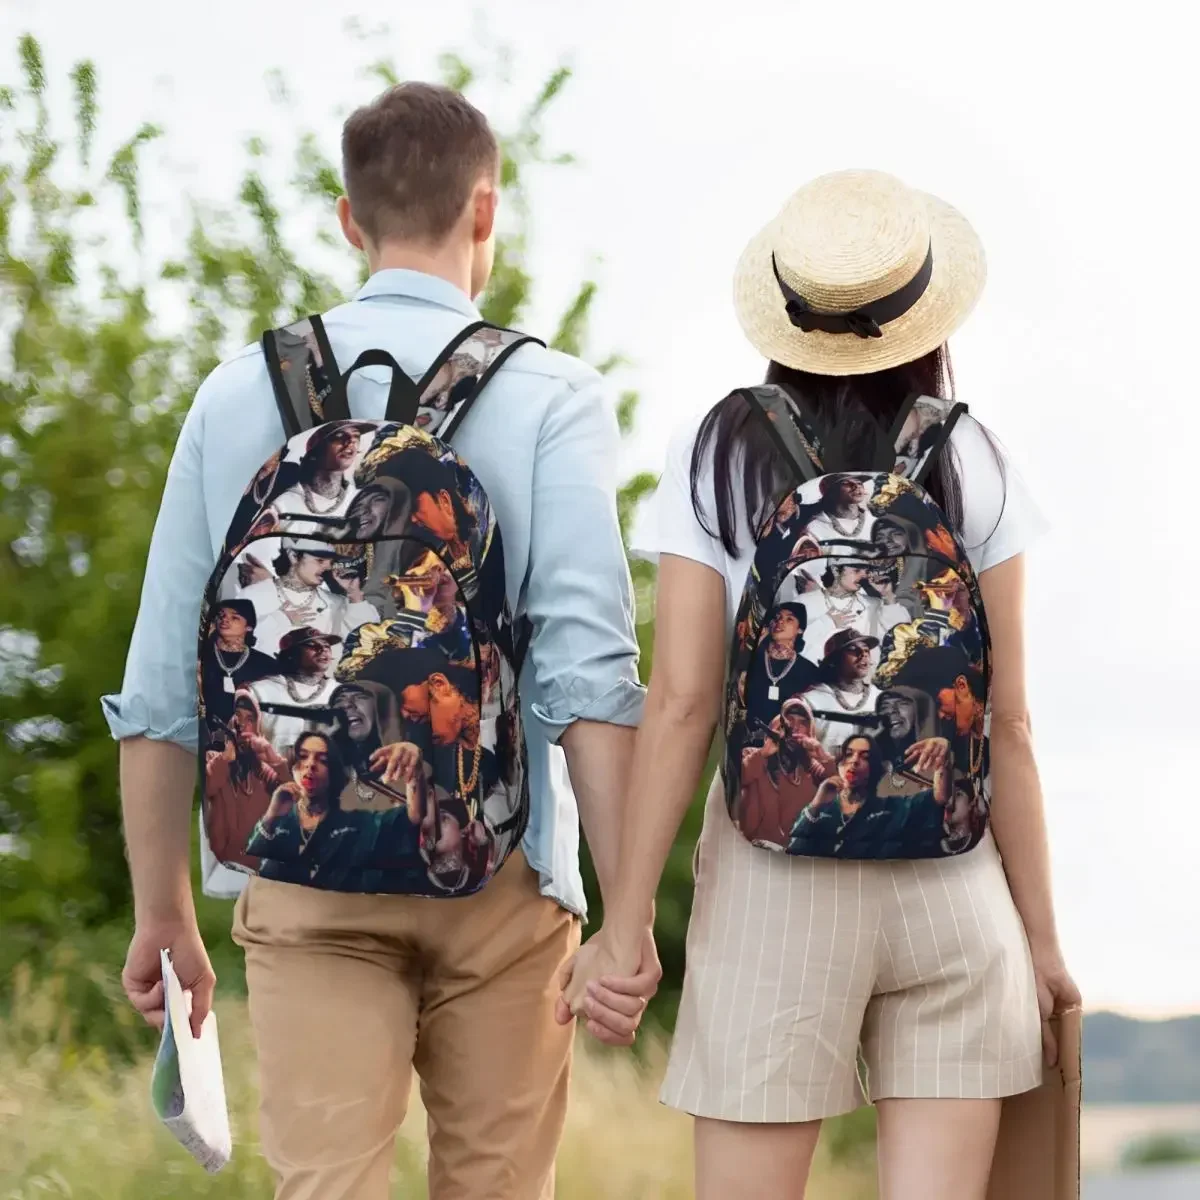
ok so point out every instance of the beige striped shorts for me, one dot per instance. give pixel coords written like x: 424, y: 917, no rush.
x: 813, y: 985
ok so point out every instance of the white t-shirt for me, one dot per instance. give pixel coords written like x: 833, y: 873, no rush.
x: 1000, y: 517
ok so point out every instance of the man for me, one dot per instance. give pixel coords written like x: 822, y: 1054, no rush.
x: 323, y: 491
x: 842, y: 602
x: 303, y: 678
x: 780, y: 670
x: 298, y: 594
x: 464, y: 989
x: 780, y: 777
x: 845, y: 698
x: 842, y: 515
x: 230, y: 660
x: 239, y: 780
x: 961, y: 691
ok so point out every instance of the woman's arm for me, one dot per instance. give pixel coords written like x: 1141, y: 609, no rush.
x: 1018, y: 814
x: 682, y: 706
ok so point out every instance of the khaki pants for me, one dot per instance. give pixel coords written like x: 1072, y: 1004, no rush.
x: 348, y: 993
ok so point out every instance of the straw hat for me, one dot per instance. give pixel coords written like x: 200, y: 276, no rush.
x: 857, y: 273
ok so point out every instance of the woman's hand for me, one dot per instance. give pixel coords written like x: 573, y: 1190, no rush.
x: 609, y: 987
x: 1056, y: 993
x: 282, y: 802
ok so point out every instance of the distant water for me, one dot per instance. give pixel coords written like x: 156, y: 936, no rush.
x: 1155, y: 1183
x: 1107, y: 1129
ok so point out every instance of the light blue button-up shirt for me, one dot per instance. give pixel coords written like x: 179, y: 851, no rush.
x: 542, y: 439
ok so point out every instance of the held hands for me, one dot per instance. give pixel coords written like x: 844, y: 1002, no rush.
x: 609, y: 988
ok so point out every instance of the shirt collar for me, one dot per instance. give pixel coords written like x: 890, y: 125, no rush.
x: 416, y: 285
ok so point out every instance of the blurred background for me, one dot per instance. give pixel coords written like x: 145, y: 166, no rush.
x: 167, y: 176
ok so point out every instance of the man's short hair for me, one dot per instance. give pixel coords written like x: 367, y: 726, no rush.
x: 411, y: 158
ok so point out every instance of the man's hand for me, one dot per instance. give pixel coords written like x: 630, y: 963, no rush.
x: 609, y: 988
x: 142, y: 977
x: 398, y: 763
x: 927, y: 756
x: 251, y: 571
x: 347, y: 578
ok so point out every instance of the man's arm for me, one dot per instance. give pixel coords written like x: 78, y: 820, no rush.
x: 598, y: 759
x: 584, y: 651
x: 155, y: 719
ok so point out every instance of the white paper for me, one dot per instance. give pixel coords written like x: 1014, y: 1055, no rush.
x: 187, y: 1088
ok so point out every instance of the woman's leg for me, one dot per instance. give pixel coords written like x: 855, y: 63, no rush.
x: 936, y: 1149
x: 954, y: 1027
x: 753, y: 1162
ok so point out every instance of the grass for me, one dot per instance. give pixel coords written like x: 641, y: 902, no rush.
x: 75, y: 1122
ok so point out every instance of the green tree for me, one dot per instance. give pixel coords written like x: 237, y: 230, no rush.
x: 93, y: 386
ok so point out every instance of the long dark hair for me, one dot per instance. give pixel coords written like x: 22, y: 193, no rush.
x: 338, y: 776
x: 854, y: 411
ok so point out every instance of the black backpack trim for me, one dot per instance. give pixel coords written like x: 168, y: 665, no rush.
x: 934, y: 452
x: 459, y: 414
x: 802, y: 466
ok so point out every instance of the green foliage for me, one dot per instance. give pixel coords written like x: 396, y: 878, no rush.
x: 1162, y: 1149
x: 851, y: 1139
x: 93, y: 386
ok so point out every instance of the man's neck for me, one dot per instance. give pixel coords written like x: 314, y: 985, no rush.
x: 451, y: 263
x: 231, y: 645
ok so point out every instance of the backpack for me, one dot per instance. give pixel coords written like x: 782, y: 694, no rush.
x: 857, y: 695
x: 357, y: 659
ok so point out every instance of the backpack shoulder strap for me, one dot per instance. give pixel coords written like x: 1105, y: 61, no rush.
x: 460, y: 373
x: 304, y: 376
x: 922, y: 429
x: 790, y: 427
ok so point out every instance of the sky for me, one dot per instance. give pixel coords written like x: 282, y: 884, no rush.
x: 1064, y: 136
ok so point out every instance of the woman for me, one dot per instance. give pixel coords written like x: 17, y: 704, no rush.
x: 240, y: 777
x: 849, y: 818
x: 937, y: 967
x: 306, y: 837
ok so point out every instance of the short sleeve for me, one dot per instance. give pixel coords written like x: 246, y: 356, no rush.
x: 669, y: 524
x: 1001, y: 518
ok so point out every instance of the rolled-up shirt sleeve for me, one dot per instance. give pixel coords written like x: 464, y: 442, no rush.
x: 579, y: 595
x: 158, y: 696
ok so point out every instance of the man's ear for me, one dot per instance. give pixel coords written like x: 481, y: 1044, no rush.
x: 485, y: 200
x: 350, y: 230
